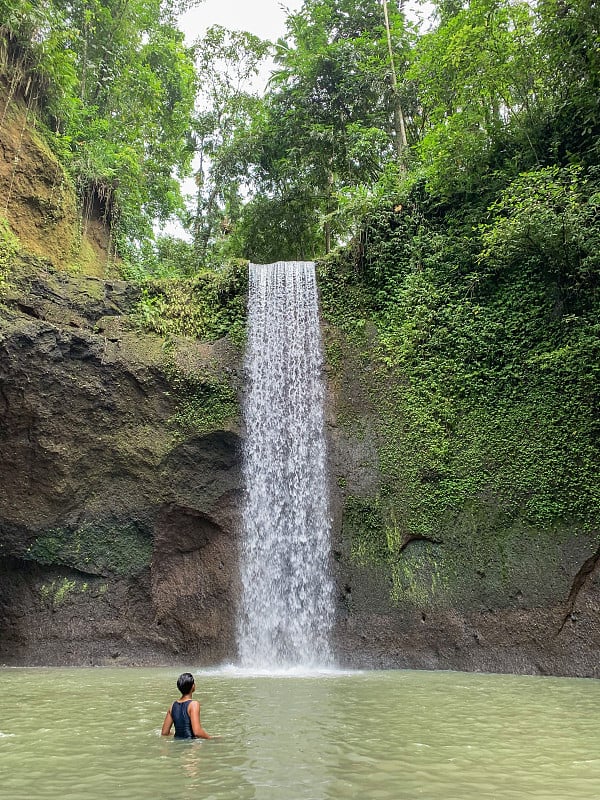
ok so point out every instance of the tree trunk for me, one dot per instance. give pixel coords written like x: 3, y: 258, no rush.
x: 400, y: 140
x: 328, y: 207
x: 199, y: 213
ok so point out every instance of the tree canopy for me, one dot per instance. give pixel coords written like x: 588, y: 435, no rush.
x: 362, y: 104
x: 115, y: 86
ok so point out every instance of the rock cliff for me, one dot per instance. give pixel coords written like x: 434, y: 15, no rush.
x: 121, y: 485
x: 117, y: 527
x: 117, y: 535
x: 426, y: 578
x: 119, y: 531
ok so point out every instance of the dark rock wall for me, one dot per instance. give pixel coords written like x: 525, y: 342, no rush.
x: 119, y: 496
x: 117, y: 537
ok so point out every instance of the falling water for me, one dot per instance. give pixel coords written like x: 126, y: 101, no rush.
x: 286, y: 612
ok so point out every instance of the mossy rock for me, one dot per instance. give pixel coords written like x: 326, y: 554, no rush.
x: 96, y: 548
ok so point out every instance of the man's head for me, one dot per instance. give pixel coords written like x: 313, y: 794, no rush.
x: 185, y: 682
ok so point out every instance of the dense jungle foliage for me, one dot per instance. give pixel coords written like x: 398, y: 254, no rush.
x: 446, y: 174
x: 363, y: 107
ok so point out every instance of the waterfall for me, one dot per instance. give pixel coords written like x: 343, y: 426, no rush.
x: 287, y: 595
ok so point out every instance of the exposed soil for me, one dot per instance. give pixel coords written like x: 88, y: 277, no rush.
x: 38, y: 200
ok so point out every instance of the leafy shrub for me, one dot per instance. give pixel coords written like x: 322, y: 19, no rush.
x: 208, y: 305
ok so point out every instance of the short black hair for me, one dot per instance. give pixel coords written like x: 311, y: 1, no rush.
x: 185, y: 682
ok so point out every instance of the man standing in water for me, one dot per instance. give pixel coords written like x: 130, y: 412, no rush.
x: 184, y: 713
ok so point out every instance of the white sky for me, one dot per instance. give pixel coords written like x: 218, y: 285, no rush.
x: 265, y: 18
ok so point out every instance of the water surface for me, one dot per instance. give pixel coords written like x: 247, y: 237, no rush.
x: 93, y: 734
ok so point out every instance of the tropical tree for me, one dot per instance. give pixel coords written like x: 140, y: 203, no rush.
x: 569, y: 35
x: 476, y: 76
x: 329, y: 119
x: 116, y: 85
x: 227, y: 63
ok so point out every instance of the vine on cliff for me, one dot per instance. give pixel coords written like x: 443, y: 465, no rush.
x: 9, y: 247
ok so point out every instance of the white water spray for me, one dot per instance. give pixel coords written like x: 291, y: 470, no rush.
x: 287, y: 595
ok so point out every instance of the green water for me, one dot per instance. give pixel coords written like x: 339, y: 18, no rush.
x: 93, y: 734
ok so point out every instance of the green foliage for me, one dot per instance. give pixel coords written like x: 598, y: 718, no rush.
x: 9, y: 247
x: 568, y: 39
x: 204, y: 403
x: 475, y: 351
x: 478, y: 345
x: 476, y: 75
x: 493, y: 89
x: 326, y: 123
x: 164, y: 257
x: 208, y: 305
x: 226, y: 62
x: 116, y: 86
x: 549, y: 218
x: 57, y: 593
x: 274, y: 229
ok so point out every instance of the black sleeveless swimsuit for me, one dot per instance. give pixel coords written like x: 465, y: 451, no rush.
x: 181, y: 719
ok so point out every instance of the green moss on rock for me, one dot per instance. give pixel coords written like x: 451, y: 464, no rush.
x: 96, y: 548
x: 481, y: 398
x: 205, y: 403
x: 419, y: 576
x: 9, y: 247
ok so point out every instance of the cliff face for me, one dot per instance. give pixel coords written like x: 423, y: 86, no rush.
x: 119, y: 532
x: 38, y: 199
x: 464, y: 459
x: 486, y: 593
x: 121, y: 485
x: 117, y: 528
x: 117, y: 536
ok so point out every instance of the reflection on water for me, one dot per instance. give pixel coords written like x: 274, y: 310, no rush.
x: 287, y: 743
x: 94, y: 734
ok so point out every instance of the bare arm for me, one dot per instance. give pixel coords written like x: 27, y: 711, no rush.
x: 197, y: 729
x: 167, y: 724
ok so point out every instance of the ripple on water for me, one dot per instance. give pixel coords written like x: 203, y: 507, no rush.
x: 392, y: 736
